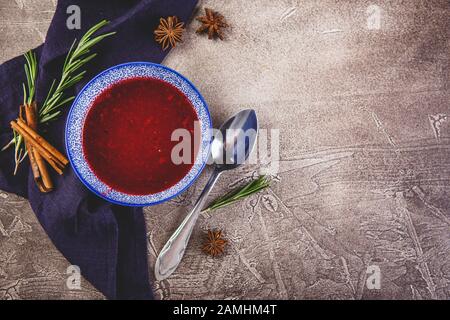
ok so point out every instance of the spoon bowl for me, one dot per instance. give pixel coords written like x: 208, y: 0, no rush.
x: 235, y: 140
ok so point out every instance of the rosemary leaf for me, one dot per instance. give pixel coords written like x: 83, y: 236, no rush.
x: 9, y: 144
x: 69, y: 53
x: 24, y: 94
x: 50, y: 117
x: 50, y: 91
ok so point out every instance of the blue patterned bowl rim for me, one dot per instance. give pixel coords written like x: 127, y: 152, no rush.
x: 82, y: 105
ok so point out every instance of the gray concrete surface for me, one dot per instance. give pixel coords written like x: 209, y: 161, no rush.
x: 364, y: 174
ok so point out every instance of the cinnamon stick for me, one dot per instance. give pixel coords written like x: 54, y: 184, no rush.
x: 31, y: 116
x: 42, y: 142
x: 37, y: 142
x: 38, y: 166
x: 38, y: 148
x: 33, y: 162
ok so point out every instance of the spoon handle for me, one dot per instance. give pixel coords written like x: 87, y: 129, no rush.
x: 171, y: 254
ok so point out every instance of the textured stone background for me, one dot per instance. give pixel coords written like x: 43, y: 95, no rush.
x: 365, y: 164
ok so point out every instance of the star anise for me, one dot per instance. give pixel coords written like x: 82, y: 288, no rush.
x: 213, y: 22
x: 169, y: 32
x: 215, y: 243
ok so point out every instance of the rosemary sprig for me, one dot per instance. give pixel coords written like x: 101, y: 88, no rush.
x: 75, y: 59
x: 29, y: 91
x: 77, y: 56
x: 239, y: 193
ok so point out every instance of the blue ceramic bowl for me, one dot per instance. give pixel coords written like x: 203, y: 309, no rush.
x: 82, y: 105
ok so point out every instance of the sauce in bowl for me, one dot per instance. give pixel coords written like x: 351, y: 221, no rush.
x: 127, y: 135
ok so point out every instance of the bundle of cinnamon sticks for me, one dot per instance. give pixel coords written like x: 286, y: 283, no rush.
x: 38, y: 148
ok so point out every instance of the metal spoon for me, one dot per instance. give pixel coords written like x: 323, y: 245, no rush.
x: 227, y: 152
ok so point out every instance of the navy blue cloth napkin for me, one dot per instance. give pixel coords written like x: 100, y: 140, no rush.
x: 106, y: 241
